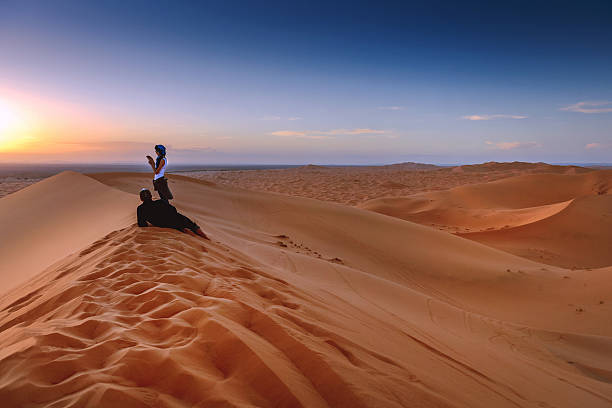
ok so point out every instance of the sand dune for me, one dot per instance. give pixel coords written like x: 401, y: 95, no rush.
x: 456, y: 218
x: 294, y: 302
x: 524, y: 167
x: 580, y: 235
x: 558, y: 219
x: 48, y: 220
x: 354, y: 185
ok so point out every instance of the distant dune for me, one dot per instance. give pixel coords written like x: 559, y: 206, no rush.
x: 520, y: 166
x: 293, y: 303
x: 577, y: 236
x: 413, y: 166
x: 560, y: 219
x: 354, y: 185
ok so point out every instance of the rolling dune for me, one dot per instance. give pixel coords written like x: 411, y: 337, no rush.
x: 48, y: 220
x: 580, y: 235
x: 293, y: 302
x: 558, y: 219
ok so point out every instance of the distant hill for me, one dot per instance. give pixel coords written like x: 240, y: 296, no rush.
x: 412, y: 166
x: 522, y: 167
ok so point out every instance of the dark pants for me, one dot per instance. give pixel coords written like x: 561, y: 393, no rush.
x: 185, y: 222
x: 161, y: 186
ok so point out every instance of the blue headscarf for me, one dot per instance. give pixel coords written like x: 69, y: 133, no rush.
x: 162, y: 150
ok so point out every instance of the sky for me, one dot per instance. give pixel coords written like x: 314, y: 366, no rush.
x: 296, y: 82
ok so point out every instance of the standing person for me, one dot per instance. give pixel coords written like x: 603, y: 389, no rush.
x: 160, y: 183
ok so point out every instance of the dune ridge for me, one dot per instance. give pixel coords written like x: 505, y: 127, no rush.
x: 47, y: 221
x: 335, y: 307
x: 558, y: 219
x: 524, y: 167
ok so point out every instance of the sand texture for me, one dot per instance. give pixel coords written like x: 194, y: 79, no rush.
x: 293, y: 302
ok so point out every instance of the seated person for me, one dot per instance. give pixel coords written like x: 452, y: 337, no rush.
x: 160, y: 213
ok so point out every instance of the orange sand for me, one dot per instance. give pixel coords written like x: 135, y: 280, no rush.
x: 563, y: 220
x: 354, y: 185
x: 294, y: 302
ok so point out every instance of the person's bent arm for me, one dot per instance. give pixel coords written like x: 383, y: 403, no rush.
x: 151, y: 162
x: 161, y: 164
x: 142, y: 220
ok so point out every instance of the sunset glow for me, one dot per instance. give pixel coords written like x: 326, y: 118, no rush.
x: 311, y: 83
x: 15, y: 127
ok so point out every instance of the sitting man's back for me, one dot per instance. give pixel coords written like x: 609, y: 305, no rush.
x: 160, y: 213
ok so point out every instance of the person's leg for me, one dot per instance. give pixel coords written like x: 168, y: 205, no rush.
x: 164, y: 190
x: 201, y: 233
x: 188, y: 225
x: 185, y: 222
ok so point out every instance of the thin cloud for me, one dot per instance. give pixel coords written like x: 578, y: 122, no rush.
x: 326, y: 134
x: 288, y: 133
x: 590, y: 107
x: 274, y: 117
x: 493, y: 117
x: 511, y: 145
x: 360, y: 131
x: 391, y: 108
x: 596, y: 146
x: 299, y: 135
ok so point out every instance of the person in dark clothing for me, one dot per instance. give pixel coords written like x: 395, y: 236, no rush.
x: 160, y: 213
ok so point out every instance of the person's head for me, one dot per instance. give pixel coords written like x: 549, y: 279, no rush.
x: 160, y: 150
x: 145, y: 195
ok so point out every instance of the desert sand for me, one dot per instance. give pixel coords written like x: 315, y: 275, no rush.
x: 301, y: 302
x: 352, y: 185
x: 558, y: 219
x: 10, y: 185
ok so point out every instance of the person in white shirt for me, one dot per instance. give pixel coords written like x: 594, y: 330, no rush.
x: 160, y: 183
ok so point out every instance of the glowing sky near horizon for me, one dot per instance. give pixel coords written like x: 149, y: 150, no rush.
x: 306, y: 82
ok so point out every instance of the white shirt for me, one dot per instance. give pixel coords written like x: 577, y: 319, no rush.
x: 162, y: 170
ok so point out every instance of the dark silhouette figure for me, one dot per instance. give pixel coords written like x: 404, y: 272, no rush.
x: 160, y: 213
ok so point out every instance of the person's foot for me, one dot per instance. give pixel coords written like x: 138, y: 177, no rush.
x: 188, y: 231
x: 201, y: 233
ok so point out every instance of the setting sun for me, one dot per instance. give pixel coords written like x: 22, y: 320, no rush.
x: 13, y: 125
x: 9, y: 117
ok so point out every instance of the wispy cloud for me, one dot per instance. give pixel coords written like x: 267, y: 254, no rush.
x: 274, y: 117
x: 590, y: 107
x: 597, y: 146
x: 300, y: 135
x: 391, y: 108
x: 287, y: 133
x: 326, y: 134
x: 493, y: 117
x: 360, y: 131
x: 511, y: 145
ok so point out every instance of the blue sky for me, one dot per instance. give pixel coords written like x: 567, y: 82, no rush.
x: 308, y: 82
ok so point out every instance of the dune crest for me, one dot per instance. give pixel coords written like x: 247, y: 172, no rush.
x: 558, y: 219
x: 53, y: 218
x: 525, y: 167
